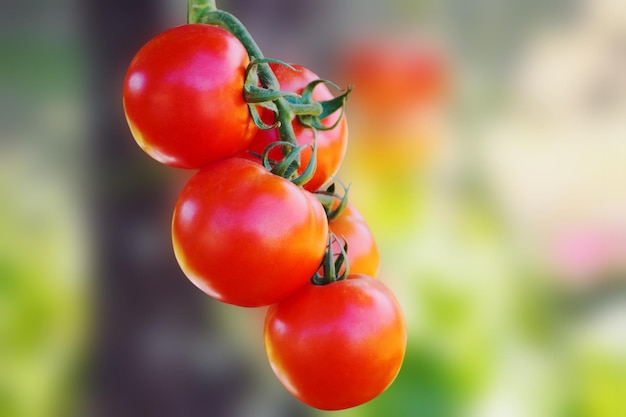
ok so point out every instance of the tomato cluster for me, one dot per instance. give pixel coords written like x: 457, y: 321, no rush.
x: 259, y: 223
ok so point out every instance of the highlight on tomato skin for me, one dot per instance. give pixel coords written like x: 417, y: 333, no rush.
x: 338, y: 345
x: 183, y: 96
x: 245, y: 236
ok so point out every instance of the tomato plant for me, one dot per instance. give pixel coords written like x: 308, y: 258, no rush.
x: 183, y: 96
x: 337, y: 345
x: 246, y: 236
x: 331, y: 144
x: 363, y: 255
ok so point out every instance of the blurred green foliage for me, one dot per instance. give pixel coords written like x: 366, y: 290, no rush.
x: 44, y: 250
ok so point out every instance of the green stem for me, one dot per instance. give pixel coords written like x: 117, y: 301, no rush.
x: 331, y: 267
x: 196, y: 9
x: 308, y: 109
x: 285, y: 128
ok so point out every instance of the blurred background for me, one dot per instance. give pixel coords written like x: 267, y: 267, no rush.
x: 487, y: 152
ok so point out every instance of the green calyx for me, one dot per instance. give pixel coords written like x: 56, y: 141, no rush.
x: 316, y: 111
x: 335, y: 266
x: 286, y: 106
x: 333, y: 202
x: 287, y: 167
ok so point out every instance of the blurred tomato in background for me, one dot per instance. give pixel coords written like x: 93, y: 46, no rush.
x: 401, y: 86
x: 393, y: 76
x: 486, y: 154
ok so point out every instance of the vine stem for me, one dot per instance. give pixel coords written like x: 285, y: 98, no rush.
x: 196, y: 8
x: 206, y: 11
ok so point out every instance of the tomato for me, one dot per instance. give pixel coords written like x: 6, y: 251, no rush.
x: 183, y: 96
x: 394, y: 77
x: 337, y: 345
x: 331, y: 144
x: 398, y: 107
x: 246, y: 236
x: 363, y: 253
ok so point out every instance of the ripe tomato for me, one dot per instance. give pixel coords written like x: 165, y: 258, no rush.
x: 337, y: 345
x: 183, y: 96
x: 394, y: 78
x: 331, y: 144
x: 363, y: 253
x: 245, y: 236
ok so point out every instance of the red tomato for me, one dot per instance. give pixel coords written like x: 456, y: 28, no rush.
x: 363, y: 253
x: 338, y: 345
x: 245, y: 236
x: 183, y: 96
x: 393, y: 78
x: 331, y: 144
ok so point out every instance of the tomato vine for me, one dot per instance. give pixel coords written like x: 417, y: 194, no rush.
x: 253, y: 227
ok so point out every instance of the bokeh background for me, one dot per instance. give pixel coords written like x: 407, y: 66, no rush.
x: 487, y: 152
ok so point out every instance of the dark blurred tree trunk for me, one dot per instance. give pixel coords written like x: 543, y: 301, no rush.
x: 153, y: 345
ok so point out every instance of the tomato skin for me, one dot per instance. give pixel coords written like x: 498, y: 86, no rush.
x: 338, y: 345
x: 245, y: 236
x: 363, y: 254
x: 331, y: 144
x: 183, y: 96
